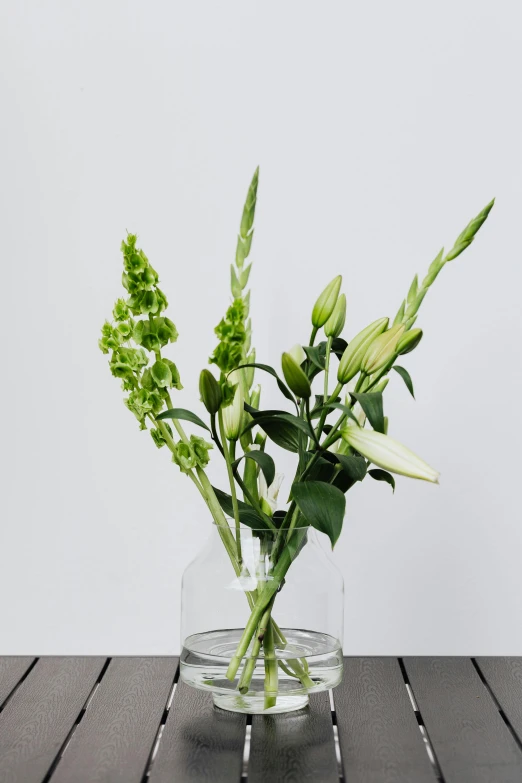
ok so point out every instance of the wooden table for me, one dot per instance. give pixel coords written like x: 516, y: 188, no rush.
x: 128, y: 720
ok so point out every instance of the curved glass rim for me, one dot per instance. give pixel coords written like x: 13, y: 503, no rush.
x: 232, y: 527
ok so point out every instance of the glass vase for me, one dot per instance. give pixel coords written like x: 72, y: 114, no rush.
x: 264, y: 632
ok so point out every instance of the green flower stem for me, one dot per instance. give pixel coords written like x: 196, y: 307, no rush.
x: 263, y: 600
x: 229, y: 458
x: 313, y: 336
x: 250, y: 665
x: 326, y: 399
x: 335, y: 392
x: 220, y: 519
x: 271, y: 679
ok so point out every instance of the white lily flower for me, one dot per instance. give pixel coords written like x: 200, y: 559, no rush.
x: 389, y: 454
x: 268, y: 495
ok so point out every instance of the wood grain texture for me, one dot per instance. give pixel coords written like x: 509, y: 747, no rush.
x: 295, y: 747
x: 116, y: 735
x: 38, y: 718
x: 200, y: 743
x: 379, y: 735
x: 471, y: 741
x: 11, y: 671
x: 504, y: 677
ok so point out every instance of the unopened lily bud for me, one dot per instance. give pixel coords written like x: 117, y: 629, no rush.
x: 210, y: 391
x: 388, y: 454
x: 409, y: 341
x: 233, y: 414
x: 325, y: 304
x: 351, y: 359
x: 335, y: 324
x: 381, y: 350
x: 297, y: 353
x: 295, y: 377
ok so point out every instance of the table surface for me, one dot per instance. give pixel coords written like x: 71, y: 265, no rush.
x: 129, y: 720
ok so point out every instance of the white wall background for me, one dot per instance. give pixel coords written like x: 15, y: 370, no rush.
x: 381, y: 129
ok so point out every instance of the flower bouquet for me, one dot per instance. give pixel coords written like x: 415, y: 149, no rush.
x: 262, y: 606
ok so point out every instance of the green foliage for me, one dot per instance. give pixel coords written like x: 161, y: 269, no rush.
x: 181, y: 414
x: 270, y: 370
x: 247, y: 515
x: 265, y: 462
x: 322, y: 505
x: 372, y: 405
x: 382, y: 475
x: 405, y: 375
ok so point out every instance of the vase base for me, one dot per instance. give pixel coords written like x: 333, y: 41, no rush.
x: 255, y: 705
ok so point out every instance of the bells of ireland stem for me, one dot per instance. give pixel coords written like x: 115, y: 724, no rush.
x: 388, y: 454
x: 409, y: 341
x: 295, y: 377
x: 325, y: 304
x: 210, y: 390
x: 233, y: 414
x: 352, y: 357
x: 335, y: 324
x: 382, y: 350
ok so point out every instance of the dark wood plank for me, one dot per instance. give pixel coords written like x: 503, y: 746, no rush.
x: 379, y: 735
x: 504, y: 677
x: 114, y: 740
x: 200, y: 743
x: 471, y: 741
x: 37, y: 720
x: 11, y: 672
x: 294, y: 747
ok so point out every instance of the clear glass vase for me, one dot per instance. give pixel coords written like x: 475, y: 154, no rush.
x: 262, y: 635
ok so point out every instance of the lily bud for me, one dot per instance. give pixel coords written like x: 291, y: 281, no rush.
x: 210, y: 391
x: 233, y: 414
x: 409, y: 341
x: 295, y: 377
x: 382, y: 349
x: 351, y: 359
x: 297, y: 353
x: 325, y: 304
x: 389, y: 454
x: 335, y: 324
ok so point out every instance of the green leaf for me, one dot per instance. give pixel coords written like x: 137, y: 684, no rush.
x: 339, y: 345
x: 339, y: 406
x: 382, y: 475
x: 322, y: 505
x: 265, y: 462
x: 247, y: 515
x: 355, y: 467
x: 270, y: 370
x: 371, y: 403
x: 181, y: 413
x: 281, y: 427
x: 316, y: 356
x: 405, y: 375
